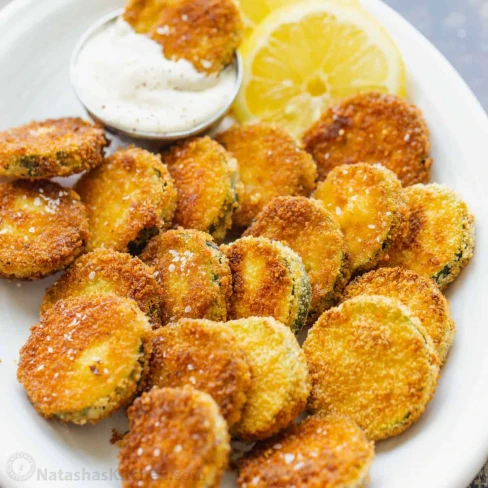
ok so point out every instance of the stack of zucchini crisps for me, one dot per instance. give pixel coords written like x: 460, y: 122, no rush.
x: 340, y: 238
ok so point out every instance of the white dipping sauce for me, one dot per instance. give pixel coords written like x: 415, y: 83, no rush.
x: 123, y: 78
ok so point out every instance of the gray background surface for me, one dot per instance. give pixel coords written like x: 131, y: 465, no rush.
x: 459, y: 29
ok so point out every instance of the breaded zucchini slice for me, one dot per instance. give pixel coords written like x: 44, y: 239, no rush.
x: 372, y: 128
x: 280, y: 383
x: 204, y: 32
x: 177, y: 438
x: 270, y: 165
x: 129, y: 199
x: 268, y: 280
x: 421, y: 295
x: 322, y: 451
x: 85, y: 358
x: 106, y: 271
x: 441, y: 235
x: 58, y: 147
x: 367, y: 202
x: 306, y: 227
x: 372, y: 360
x: 43, y: 228
x: 205, y: 176
x: 194, y: 276
x: 205, y: 355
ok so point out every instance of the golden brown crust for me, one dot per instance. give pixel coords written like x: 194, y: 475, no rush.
x: 268, y: 280
x: 280, y: 383
x: 177, y: 439
x: 367, y: 202
x: 194, y: 276
x: 205, y: 176
x: 142, y: 15
x: 106, y: 271
x: 371, y: 359
x: 441, y: 237
x: 204, y: 32
x: 320, y: 452
x: 421, y: 295
x: 43, y: 228
x: 205, y: 355
x: 306, y: 227
x: 129, y: 198
x: 372, y: 128
x: 85, y: 357
x: 58, y: 147
x: 270, y: 165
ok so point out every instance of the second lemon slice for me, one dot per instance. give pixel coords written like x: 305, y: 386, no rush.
x: 254, y: 11
x: 306, y: 55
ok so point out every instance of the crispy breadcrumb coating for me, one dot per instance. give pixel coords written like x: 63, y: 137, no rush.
x: 129, y: 199
x: 268, y: 280
x: 367, y: 201
x: 58, y: 147
x: 206, y: 33
x: 421, y: 295
x: 206, y: 178
x: 205, y: 355
x: 193, y: 275
x: 305, y: 226
x: 106, y: 271
x: 372, y: 128
x: 43, y: 228
x: 177, y: 439
x: 270, y: 165
x: 85, y: 358
x: 320, y: 452
x: 441, y: 237
x: 371, y: 359
x: 280, y: 382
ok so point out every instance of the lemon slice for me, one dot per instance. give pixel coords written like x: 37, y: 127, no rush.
x: 307, y: 55
x: 254, y: 11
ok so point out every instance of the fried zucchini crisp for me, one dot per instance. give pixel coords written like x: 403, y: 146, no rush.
x: 206, y: 178
x: 268, y: 280
x: 280, y: 383
x: 85, y: 358
x: 59, y: 147
x: 322, y: 451
x: 367, y: 202
x: 305, y: 226
x: 205, y: 355
x: 177, y: 439
x: 43, y: 228
x: 441, y: 237
x: 421, y: 295
x: 372, y: 128
x: 129, y: 199
x: 194, y: 276
x: 204, y: 32
x: 270, y: 165
x: 372, y: 360
x: 106, y: 271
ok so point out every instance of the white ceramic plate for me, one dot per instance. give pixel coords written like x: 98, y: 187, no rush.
x: 443, y: 450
